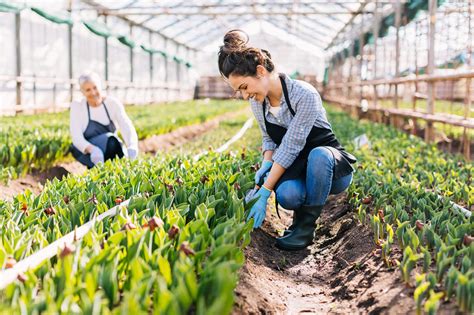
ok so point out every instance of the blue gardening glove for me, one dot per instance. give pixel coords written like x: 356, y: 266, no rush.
x: 132, y: 153
x: 97, y: 155
x: 266, y: 166
x: 259, y: 209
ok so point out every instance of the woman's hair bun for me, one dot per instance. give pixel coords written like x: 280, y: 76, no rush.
x: 235, y: 41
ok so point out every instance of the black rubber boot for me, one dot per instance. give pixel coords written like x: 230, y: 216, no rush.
x: 296, y: 217
x: 303, y: 232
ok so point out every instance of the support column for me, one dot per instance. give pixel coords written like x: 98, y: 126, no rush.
x: 468, y: 100
x: 376, y: 37
x: 70, y: 66
x: 429, y: 132
x: 398, y: 18
x: 106, y: 58
x: 18, y: 58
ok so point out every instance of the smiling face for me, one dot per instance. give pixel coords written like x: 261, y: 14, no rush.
x: 92, y: 92
x: 251, y: 87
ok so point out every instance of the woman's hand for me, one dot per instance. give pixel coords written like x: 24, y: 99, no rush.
x: 260, y: 175
x: 259, y: 209
x: 97, y: 155
x: 132, y: 153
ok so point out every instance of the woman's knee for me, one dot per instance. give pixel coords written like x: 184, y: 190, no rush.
x: 320, y: 155
x: 290, y: 195
x: 341, y: 184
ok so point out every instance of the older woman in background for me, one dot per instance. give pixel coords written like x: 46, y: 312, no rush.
x: 93, y: 125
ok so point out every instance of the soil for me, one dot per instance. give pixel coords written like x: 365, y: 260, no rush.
x: 341, y: 273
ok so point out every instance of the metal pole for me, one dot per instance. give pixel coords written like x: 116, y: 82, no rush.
x: 376, y: 36
x: 166, y: 71
x: 71, y: 74
x: 431, y: 56
x: 398, y: 17
x: 131, y: 56
x: 151, y: 69
x: 361, y: 51
x: 18, y: 57
x: 468, y: 100
x: 106, y: 57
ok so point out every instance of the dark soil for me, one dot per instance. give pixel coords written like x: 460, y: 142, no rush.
x: 341, y: 273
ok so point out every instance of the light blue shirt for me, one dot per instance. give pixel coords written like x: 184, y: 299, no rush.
x: 309, y: 112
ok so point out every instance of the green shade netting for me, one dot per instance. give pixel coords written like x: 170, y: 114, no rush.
x: 126, y: 41
x: 385, y: 24
x: 98, y: 28
x: 326, y: 76
x: 369, y: 38
x: 295, y: 74
x: 177, y: 59
x: 56, y: 18
x: 356, y: 50
x: 164, y: 54
x: 149, y: 49
x: 455, y: 62
x: 413, y: 7
x: 10, y: 8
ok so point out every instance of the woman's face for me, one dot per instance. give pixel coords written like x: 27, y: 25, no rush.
x: 255, y: 87
x: 91, y: 91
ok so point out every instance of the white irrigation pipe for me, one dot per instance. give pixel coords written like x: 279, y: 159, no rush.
x: 226, y: 145
x: 464, y: 211
x: 8, y: 276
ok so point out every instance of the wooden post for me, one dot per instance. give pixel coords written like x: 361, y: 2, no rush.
x: 429, y: 132
x: 398, y: 17
x: 106, y: 58
x: 70, y: 68
x: 361, y: 51
x: 167, y: 93
x: 18, y: 58
x: 468, y: 100
x: 376, y: 36
x: 131, y: 55
x: 152, y: 70
x: 351, y: 59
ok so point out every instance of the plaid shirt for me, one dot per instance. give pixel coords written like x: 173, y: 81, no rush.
x: 306, y: 103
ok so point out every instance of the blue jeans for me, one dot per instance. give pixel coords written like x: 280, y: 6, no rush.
x: 316, y: 187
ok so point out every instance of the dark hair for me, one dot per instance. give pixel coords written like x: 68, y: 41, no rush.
x: 236, y: 58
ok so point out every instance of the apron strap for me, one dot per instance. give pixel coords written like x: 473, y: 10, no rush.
x: 88, y: 111
x: 285, y: 92
x: 106, y: 111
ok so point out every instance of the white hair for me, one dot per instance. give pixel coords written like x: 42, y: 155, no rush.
x: 90, y: 77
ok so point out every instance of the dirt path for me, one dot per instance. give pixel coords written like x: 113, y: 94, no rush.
x: 340, y: 274
x: 165, y: 142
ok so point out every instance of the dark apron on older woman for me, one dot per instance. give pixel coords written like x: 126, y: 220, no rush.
x: 102, y: 136
x: 317, y: 137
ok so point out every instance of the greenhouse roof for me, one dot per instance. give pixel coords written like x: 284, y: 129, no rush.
x: 197, y: 23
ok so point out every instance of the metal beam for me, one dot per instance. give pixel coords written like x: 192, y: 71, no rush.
x: 329, y: 14
x: 214, y: 34
x: 315, y: 30
x: 307, y: 36
x: 243, y: 4
x: 310, y: 35
x: 361, y: 7
x: 191, y: 28
x: 99, y: 7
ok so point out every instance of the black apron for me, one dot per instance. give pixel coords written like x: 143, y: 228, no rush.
x: 318, y: 137
x: 97, y: 134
